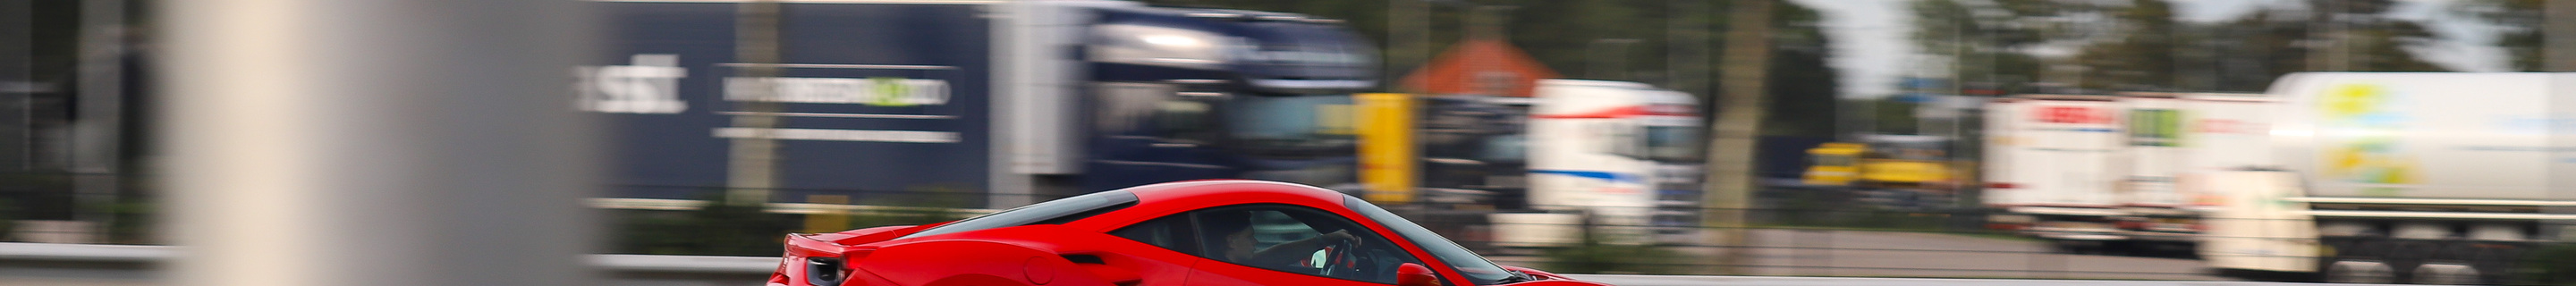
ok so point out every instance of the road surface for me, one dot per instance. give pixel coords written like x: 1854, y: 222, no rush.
x: 1785, y: 252
x: 1907, y: 254
x: 1659, y: 280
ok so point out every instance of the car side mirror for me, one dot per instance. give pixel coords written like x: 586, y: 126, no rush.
x: 1413, y: 274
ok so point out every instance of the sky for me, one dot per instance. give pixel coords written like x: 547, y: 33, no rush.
x: 1871, y: 45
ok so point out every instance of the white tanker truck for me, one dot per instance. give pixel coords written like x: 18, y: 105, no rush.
x: 2427, y: 178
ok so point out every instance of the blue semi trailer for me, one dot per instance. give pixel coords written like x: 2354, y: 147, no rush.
x: 1023, y: 100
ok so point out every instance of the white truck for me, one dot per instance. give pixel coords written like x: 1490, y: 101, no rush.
x: 1626, y: 153
x: 2050, y: 166
x: 2433, y: 178
x: 2173, y: 138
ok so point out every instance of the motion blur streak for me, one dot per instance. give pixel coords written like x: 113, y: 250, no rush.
x: 376, y: 142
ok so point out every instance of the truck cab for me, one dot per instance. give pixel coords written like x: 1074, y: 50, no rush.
x: 1019, y: 100
x: 1625, y: 153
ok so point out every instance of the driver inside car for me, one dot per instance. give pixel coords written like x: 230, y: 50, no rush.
x: 1240, y: 247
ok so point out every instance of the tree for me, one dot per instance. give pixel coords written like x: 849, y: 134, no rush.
x: 2326, y: 35
x: 1739, y: 125
x: 2140, y: 58
x: 1801, y: 85
x: 2522, y: 21
x: 1986, y: 43
x: 2138, y: 45
x: 2357, y: 35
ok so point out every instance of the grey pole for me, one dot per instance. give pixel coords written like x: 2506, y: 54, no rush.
x: 2558, y: 54
x: 383, y: 142
x: 753, y: 167
x: 96, y: 134
x: 17, y: 84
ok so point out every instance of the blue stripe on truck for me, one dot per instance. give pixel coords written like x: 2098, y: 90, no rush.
x: 1613, y: 177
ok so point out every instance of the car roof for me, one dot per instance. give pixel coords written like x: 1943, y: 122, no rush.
x: 1164, y: 199
x: 1224, y: 189
x: 1158, y: 200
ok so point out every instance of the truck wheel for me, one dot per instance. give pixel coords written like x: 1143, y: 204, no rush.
x: 2446, y: 274
x: 2495, y: 259
x: 2403, y: 257
x: 2368, y: 272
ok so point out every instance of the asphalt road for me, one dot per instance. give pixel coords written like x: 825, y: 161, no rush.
x: 84, y: 265
x: 1655, y: 280
x: 1906, y: 254
x: 1784, y: 252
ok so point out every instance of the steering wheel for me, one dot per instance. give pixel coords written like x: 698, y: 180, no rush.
x: 1337, y: 259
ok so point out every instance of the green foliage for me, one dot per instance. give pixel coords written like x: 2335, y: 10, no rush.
x: 717, y: 229
x: 1821, y: 209
x: 2523, y: 45
x: 920, y: 205
x: 132, y: 223
x: 2551, y: 265
x: 1884, y: 116
x: 1594, y: 257
x: 2139, y: 59
x: 8, y: 219
x: 2138, y: 45
x: 743, y: 229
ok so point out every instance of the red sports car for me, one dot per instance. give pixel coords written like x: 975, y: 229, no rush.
x: 1221, y: 232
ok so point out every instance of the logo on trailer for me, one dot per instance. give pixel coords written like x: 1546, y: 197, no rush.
x: 876, y: 91
x: 2227, y: 126
x: 650, y: 84
x: 2073, y: 114
x: 2155, y: 127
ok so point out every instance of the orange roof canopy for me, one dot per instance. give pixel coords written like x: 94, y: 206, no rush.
x: 1480, y: 66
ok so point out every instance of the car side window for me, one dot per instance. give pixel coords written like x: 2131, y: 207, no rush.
x: 1171, y: 232
x: 1297, y: 240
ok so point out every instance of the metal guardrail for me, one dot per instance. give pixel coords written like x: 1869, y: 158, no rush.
x: 54, y: 252
x: 97, y: 264
x: 91, y: 264
x: 781, y: 208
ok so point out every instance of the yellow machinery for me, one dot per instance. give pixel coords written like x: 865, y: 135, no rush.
x: 1891, y: 166
x: 1834, y: 163
x: 1386, y: 146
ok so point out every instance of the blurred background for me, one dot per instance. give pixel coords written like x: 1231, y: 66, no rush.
x: 2095, y: 139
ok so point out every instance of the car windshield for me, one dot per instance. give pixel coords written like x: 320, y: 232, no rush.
x: 1476, y: 268
x: 1672, y: 143
x: 1056, y: 211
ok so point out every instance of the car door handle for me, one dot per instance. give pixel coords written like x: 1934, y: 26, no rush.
x: 1101, y: 268
x: 1174, y: 145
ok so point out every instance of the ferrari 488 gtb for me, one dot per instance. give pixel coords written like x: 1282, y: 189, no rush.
x: 1225, y: 232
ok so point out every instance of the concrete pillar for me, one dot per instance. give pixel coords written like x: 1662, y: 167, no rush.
x: 376, y: 142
